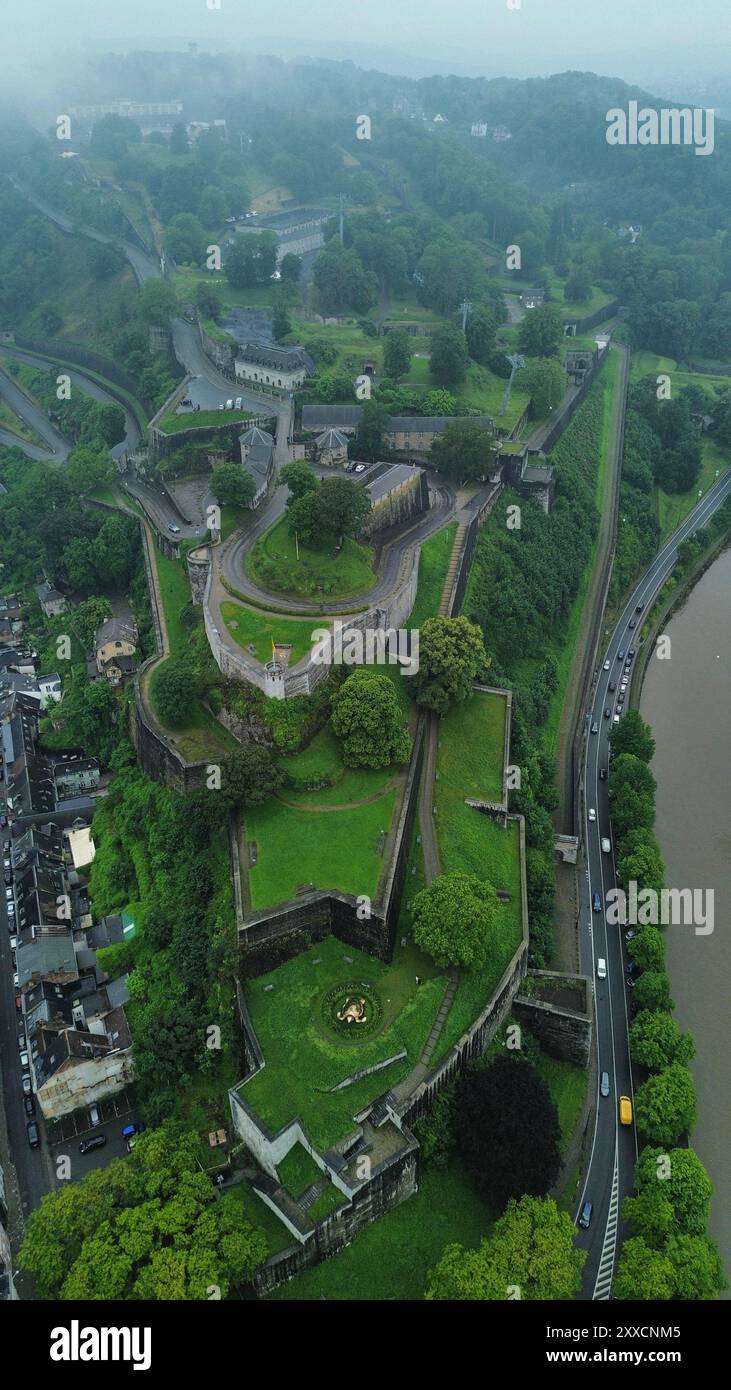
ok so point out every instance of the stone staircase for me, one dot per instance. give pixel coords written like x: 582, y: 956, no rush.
x: 451, y: 575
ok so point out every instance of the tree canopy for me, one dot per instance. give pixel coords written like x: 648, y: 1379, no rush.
x: 455, y: 918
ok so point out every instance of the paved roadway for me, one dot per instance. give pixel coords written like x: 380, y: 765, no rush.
x: 609, y: 1176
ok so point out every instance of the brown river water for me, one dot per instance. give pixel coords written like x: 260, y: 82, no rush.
x: 687, y: 701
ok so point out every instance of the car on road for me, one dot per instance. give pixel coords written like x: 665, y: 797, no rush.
x: 29, y: 1105
x: 606, y: 845
x: 16, y: 980
x: 607, y: 711
x: 592, y: 813
x: 604, y: 1084
x: 24, y: 1058
x: 94, y: 1116
x: 595, y: 727
x: 21, y: 1041
x: 620, y: 654
x: 631, y: 967
x: 9, y: 895
x: 96, y: 1142
x: 631, y: 654
x: 633, y: 622
x: 7, y: 875
x: 616, y: 719
x: 639, y: 607
x: 13, y: 943
x: 596, y: 902
x: 174, y: 530
x: 603, y: 774
x: 26, y: 1084
x: 33, y: 1133
x: 601, y: 968
x: 625, y: 1110
x: 630, y: 935
x: 612, y: 685
x: 585, y: 1218
x: 607, y: 664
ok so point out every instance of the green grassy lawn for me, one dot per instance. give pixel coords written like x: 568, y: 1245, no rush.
x: 186, y: 279
x: 673, y: 507
x: 391, y: 1259
x: 433, y: 565
x: 322, y: 759
x: 298, y: 1171
x: 248, y: 627
x: 278, y: 1238
x: 330, y: 850
x: 273, y: 564
x: 201, y: 419
x: 480, y: 391
x: 567, y: 1084
x: 303, y: 1060
x: 472, y: 741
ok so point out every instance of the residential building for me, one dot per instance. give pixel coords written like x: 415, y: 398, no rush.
x: 115, y: 649
x: 266, y: 364
x: 52, y: 602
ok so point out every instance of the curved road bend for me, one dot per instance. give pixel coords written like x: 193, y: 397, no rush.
x: 58, y: 447
x: 609, y: 1176
x: 232, y: 556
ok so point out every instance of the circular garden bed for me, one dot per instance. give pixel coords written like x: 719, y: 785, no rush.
x: 351, y: 1012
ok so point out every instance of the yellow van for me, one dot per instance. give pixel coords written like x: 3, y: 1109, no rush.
x: 625, y: 1110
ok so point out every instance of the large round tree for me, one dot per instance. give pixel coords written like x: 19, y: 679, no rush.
x: 451, y: 652
x: 454, y: 920
x: 367, y: 716
x: 508, y: 1131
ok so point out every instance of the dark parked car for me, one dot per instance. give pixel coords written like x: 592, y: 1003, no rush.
x: 631, y: 654
x: 620, y: 654
x: 612, y: 685
x: 29, y: 1105
x: 607, y: 711
x: 596, y: 902
x: 585, y: 1218
x: 633, y: 622
x: 603, y: 774
x: 97, y: 1142
x: 33, y: 1133
x: 8, y: 876
x: 639, y: 607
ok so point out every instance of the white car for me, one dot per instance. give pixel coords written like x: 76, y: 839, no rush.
x: 607, y: 664
x: 601, y: 968
x: 24, y: 1058
x: 592, y: 813
x: 13, y: 943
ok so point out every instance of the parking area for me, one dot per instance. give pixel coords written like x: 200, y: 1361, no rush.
x: 77, y: 1125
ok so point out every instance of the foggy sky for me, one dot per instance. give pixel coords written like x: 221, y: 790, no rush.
x: 617, y: 37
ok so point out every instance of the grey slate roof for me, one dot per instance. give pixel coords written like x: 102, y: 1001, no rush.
x: 277, y: 359
x: 255, y: 436
x: 331, y: 439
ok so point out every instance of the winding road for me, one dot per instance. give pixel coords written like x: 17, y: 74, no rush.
x: 609, y: 1176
